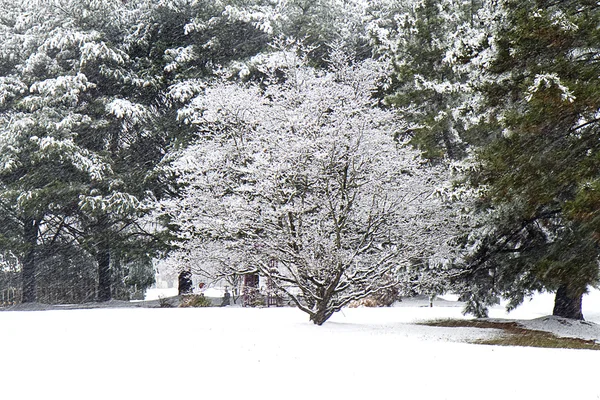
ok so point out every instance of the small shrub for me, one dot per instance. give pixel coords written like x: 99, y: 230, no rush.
x: 387, y: 296
x: 259, y: 302
x: 382, y: 298
x: 366, y: 302
x: 137, y: 295
x: 195, y: 300
x: 252, y: 297
x: 164, y: 302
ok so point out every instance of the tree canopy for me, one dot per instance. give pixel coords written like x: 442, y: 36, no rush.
x: 335, y: 147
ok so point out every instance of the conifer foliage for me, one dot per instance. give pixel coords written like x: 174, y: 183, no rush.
x: 85, y: 123
x: 317, y: 143
x: 424, y: 40
x: 540, y: 173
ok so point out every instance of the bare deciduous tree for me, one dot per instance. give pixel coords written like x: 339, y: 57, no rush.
x: 304, y: 183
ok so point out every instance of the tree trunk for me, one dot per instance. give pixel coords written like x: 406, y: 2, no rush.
x: 567, y: 304
x: 104, y: 276
x: 30, y: 233
x: 322, y: 314
x: 319, y: 317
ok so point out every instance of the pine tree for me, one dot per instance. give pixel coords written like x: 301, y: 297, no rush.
x: 322, y: 23
x: 78, y: 164
x: 429, y: 87
x: 540, y: 172
x: 88, y: 113
x: 42, y: 168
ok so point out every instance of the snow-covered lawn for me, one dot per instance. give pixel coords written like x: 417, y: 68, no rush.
x: 275, y: 353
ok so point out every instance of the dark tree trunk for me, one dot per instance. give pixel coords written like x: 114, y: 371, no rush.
x: 104, y: 276
x: 320, y: 317
x: 323, y: 312
x: 567, y: 304
x: 30, y: 231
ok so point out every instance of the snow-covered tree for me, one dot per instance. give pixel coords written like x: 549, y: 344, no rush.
x: 429, y: 43
x: 303, y: 182
x: 42, y: 166
x: 78, y: 156
x: 86, y: 122
x: 538, y: 171
x: 321, y: 23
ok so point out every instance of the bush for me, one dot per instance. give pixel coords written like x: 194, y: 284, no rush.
x: 383, y: 298
x: 164, y: 302
x: 366, y: 302
x: 195, y: 300
x: 387, y: 296
x: 138, y: 295
x: 252, y: 297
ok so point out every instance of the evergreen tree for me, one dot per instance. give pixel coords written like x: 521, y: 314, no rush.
x: 88, y: 112
x: 79, y: 161
x: 540, y: 173
x: 429, y: 87
x: 43, y: 168
x: 323, y: 23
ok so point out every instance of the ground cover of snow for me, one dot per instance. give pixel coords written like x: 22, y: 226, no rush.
x: 154, y: 294
x: 275, y: 353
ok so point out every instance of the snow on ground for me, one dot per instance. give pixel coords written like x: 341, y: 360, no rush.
x: 533, y: 314
x: 155, y: 294
x: 275, y: 353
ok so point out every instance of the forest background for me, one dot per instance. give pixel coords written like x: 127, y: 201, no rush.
x: 342, y: 148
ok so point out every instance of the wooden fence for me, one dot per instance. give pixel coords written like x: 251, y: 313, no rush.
x: 10, y: 296
x: 51, y: 295
x: 66, y: 294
